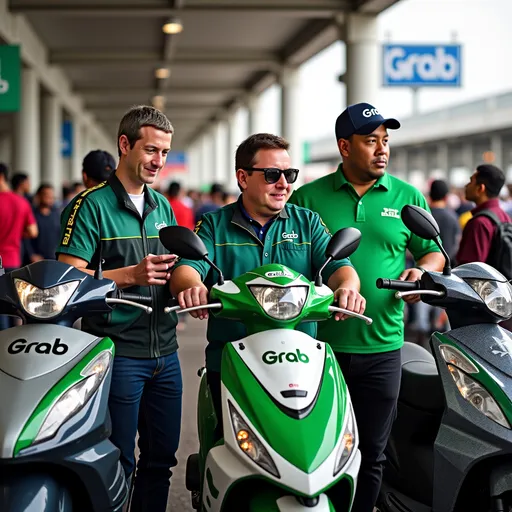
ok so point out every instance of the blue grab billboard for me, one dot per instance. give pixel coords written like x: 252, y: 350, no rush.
x: 419, y: 65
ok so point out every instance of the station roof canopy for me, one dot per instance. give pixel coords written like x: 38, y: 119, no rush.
x: 111, y: 50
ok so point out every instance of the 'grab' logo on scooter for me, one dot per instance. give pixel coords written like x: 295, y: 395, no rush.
x: 22, y: 345
x: 272, y: 357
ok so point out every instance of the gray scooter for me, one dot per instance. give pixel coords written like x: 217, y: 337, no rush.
x: 55, y: 455
x: 450, y: 448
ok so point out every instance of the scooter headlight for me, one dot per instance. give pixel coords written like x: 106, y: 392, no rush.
x: 496, y: 295
x: 249, y: 443
x: 47, y: 302
x: 282, y: 303
x: 348, y: 443
x: 74, y: 399
x: 478, y: 396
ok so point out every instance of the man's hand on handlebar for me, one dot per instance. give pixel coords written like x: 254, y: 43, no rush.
x: 195, y: 296
x: 351, y: 299
x: 411, y: 274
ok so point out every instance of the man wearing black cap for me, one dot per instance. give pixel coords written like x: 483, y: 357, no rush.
x: 362, y: 195
x: 96, y: 167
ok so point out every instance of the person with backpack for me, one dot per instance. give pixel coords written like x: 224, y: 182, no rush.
x: 487, y: 236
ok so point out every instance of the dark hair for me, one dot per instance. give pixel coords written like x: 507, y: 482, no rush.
x: 438, y: 190
x: 216, y: 188
x: 17, y: 179
x: 247, y: 150
x: 174, y: 189
x: 138, y: 117
x: 4, y: 171
x: 42, y: 187
x: 492, y: 177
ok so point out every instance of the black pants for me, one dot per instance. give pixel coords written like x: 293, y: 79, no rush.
x: 373, y: 381
x: 213, y: 381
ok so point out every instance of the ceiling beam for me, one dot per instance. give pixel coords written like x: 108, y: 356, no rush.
x: 182, y: 89
x: 190, y: 57
x: 301, y: 9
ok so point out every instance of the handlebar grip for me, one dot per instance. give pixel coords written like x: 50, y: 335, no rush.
x: 141, y: 299
x: 396, y: 284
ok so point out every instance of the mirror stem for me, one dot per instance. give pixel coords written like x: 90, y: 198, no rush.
x: 447, y: 270
x: 220, y: 281
x: 318, y: 278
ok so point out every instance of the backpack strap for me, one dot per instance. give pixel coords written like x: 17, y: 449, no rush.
x: 490, y: 215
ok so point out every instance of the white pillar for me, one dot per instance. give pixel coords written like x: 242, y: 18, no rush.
x: 5, y: 149
x: 78, y: 153
x: 51, y: 143
x: 253, y: 104
x: 443, y: 158
x: 193, y: 166
x: 206, y: 172
x: 27, y: 143
x: 221, y: 166
x: 290, y: 107
x: 363, y: 63
x: 497, y: 149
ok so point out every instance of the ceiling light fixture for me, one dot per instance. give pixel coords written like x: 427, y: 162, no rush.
x: 162, y: 73
x: 173, y: 26
x: 158, y: 102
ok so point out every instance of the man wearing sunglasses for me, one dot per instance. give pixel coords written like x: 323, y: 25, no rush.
x: 361, y: 194
x: 259, y: 228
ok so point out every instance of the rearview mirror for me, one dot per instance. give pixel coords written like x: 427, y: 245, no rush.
x: 420, y: 222
x: 343, y: 243
x: 183, y: 242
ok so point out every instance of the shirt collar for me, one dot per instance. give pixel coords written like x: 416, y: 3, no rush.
x: 340, y: 180
x: 123, y: 196
x: 488, y: 205
x: 240, y: 215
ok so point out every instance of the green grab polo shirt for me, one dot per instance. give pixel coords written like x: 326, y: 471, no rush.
x: 381, y: 253
x: 103, y: 222
x: 296, y: 238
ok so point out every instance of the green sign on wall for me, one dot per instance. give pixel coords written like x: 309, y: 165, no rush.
x: 10, y: 78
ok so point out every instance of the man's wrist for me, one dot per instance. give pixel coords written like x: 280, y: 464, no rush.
x: 420, y: 268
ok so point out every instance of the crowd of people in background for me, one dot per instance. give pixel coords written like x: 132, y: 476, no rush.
x: 452, y: 208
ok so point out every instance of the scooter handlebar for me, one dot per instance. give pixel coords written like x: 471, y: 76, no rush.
x: 396, y: 284
x: 141, y: 299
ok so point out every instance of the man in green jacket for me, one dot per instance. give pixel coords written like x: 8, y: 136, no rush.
x: 259, y: 228
x: 117, y: 221
x: 362, y: 195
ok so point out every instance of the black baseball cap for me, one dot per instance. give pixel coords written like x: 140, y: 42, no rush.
x: 98, y: 165
x: 361, y: 119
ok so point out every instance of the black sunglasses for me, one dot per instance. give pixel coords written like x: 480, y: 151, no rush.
x: 273, y: 175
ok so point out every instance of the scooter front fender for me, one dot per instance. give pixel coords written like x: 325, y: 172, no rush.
x: 34, y: 493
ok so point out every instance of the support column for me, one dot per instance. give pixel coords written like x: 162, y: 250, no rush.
x: 51, y: 143
x: 443, y: 158
x: 290, y: 107
x: 231, y: 145
x: 253, y: 104
x: 78, y: 152
x: 221, y: 166
x: 5, y: 148
x: 27, y: 143
x: 497, y: 149
x: 362, y: 77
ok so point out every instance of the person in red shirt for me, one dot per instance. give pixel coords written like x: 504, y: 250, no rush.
x: 483, y: 189
x: 184, y: 215
x: 18, y: 222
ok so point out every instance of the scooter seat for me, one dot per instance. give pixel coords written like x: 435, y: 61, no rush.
x: 421, y: 385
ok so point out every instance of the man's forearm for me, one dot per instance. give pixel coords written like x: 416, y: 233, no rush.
x: 184, y: 277
x: 344, y: 277
x: 432, y: 261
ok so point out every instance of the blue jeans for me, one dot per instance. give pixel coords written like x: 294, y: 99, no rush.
x: 145, y: 395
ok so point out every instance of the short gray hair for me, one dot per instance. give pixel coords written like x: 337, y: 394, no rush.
x: 138, y: 117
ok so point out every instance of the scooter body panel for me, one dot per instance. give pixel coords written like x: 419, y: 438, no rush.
x: 303, y: 438
x: 32, y: 361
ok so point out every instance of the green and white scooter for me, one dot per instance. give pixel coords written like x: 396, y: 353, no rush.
x: 289, y: 429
